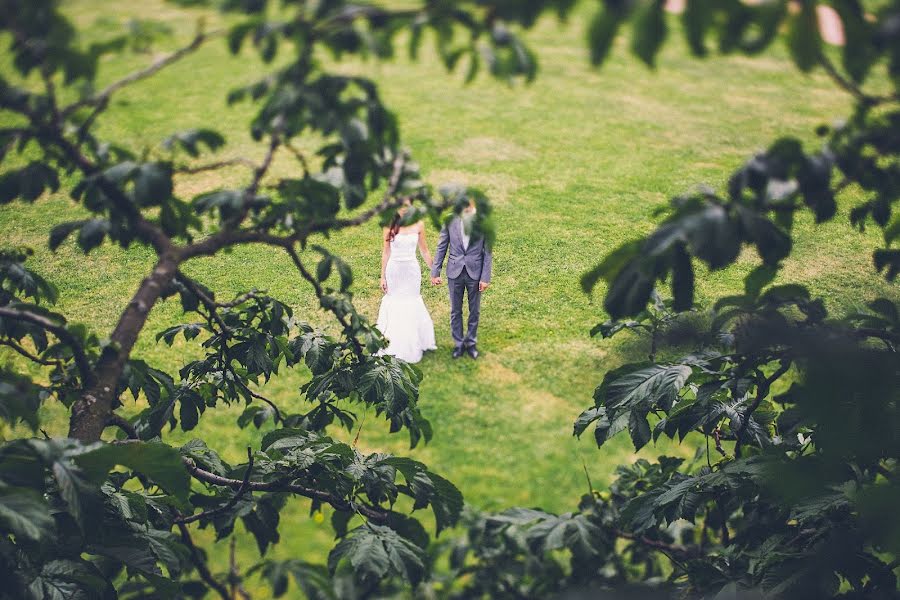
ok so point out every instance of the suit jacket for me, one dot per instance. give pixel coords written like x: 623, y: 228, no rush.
x: 476, y: 259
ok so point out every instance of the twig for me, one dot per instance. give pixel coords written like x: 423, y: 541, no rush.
x: 81, y: 359
x: 200, y: 563
x: 210, y: 304
x: 670, y: 550
x: 272, y: 405
x: 116, y: 420
x: 263, y: 168
x: 848, y: 85
x: 234, y: 577
x: 254, y: 294
x: 372, y: 512
x: 33, y: 358
x: 762, y: 390
x: 103, y: 97
x: 186, y: 170
x: 242, y: 489
x: 299, y: 156
x: 230, y: 237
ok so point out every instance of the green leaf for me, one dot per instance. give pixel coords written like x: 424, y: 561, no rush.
x: 656, y: 385
x: 649, y: 31
x: 803, y: 38
x: 153, y: 184
x: 586, y: 418
x: 92, y: 233
x: 859, y: 52
x: 639, y: 429
x: 602, y: 32
x: 759, y: 278
x: 25, y: 513
x: 74, y: 488
x: 610, y: 266
x: 69, y: 580
x: 570, y: 532
x: 323, y: 269
x: 62, y: 231
x: 374, y: 551
x: 697, y: 18
x: 159, y: 462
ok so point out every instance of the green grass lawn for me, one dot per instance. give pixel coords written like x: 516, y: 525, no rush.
x: 575, y: 164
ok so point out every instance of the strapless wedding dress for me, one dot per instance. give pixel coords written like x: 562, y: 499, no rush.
x: 403, y: 318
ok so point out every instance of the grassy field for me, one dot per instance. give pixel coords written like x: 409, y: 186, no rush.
x: 575, y: 163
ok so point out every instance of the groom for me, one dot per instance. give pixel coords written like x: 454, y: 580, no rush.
x: 468, y: 272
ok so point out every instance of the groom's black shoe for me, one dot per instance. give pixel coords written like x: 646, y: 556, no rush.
x: 457, y: 352
x: 472, y: 351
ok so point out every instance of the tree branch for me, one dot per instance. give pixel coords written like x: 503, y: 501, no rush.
x: 90, y: 412
x: 186, y: 170
x: 848, y: 85
x: 81, y: 360
x: 241, y: 490
x: 228, y: 237
x: 33, y: 358
x: 116, y: 420
x: 102, y: 98
x: 670, y: 550
x: 234, y: 577
x: 762, y: 390
x: 200, y: 563
x: 299, y: 156
x: 377, y: 514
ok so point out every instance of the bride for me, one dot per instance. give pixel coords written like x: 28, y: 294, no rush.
x: 403, y: 318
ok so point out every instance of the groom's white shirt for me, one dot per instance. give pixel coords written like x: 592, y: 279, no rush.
x: 465, y: 224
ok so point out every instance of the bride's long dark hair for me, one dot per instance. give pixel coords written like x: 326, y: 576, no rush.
x: 394, y: 227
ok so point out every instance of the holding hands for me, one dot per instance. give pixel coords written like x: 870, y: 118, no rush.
x: 436, y: 281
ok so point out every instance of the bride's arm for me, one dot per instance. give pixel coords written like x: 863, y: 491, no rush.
x: 423, y: 245
x: 385, y: 256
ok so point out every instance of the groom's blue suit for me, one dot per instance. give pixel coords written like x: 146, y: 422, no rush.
x: 466, y: 266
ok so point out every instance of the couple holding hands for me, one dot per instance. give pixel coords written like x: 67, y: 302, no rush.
x: 403, y: 318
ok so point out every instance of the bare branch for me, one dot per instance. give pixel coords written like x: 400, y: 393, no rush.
x: 116, y: 420
x: 263, y: 168
x: 216, y: 242
x: 32, y: 357
x: 102, y: 98
x: 81, y: 359
x: 272, y: 405
x: 233, y: 576
x: 374, y: 513
x: 670, y: 550
x: 299, y: 156
x: 851, y: 87
x: 187, y: 170
x: 242, y: 489
x: 200, y: 563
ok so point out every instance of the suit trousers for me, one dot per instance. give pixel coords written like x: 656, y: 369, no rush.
x: 459, y: 286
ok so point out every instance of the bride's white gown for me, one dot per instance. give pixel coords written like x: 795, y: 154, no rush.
x: 403, y: 318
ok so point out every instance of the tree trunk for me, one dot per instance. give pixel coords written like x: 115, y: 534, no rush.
x: 91, y: 412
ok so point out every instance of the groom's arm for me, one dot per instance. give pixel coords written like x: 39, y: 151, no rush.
x: 440, y: 252
x: 487, y: 264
